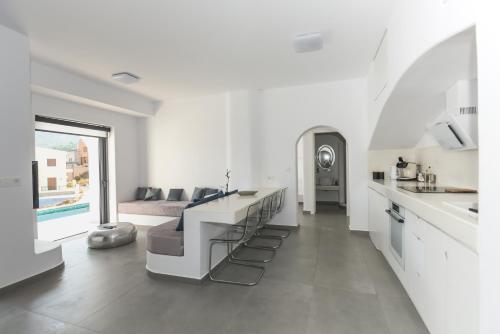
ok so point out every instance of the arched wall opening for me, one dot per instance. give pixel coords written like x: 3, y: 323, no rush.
x: 317, y: 186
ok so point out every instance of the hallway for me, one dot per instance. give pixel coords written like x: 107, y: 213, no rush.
x: 324, y: 279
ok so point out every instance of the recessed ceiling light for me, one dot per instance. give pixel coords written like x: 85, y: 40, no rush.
x: 308, y: 42
x: 126, y: 78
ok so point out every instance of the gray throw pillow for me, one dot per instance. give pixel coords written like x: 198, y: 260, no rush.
x: 210, y: 191
x: 175, y: 195
x: 153, y: 194
x: 198, y: 194
x: 140, y: 194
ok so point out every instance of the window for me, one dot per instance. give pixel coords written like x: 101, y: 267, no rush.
x: 51, y: 162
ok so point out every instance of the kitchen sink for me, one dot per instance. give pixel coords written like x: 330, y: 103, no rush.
x: 470, y: 208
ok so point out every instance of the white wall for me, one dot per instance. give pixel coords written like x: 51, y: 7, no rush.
x: 187, y: 142
x: 240, y: 126
x: 17, y: 246
x: 192, y: 142
x: 414, y: 28
x: 125, y: 142
x: 489, y: 161
x: 58, y: 171
x: 453, y: 168
x: 288, y: 113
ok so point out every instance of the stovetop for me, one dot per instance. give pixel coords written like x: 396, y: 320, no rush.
x: 435, y: 189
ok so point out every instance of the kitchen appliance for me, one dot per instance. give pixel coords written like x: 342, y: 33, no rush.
x: 401, y: 166
x: 396, y: 232
x: 432, y: 189
x: 378, y: 175
x: 456, y: 128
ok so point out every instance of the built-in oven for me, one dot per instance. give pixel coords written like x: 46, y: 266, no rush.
x: 396, y: 232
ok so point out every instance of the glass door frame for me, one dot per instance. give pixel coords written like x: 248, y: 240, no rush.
x: 56, y: 125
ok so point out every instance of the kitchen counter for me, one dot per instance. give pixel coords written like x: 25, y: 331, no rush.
x: 432, y: 208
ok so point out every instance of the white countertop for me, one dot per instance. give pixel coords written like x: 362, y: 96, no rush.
x: 432, y: 208
x: 234, y: 202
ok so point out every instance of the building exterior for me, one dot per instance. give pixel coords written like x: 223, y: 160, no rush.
x: 71, y: 163
x: 81, y: 167
x: 82, y: 154
x: 51, y: 169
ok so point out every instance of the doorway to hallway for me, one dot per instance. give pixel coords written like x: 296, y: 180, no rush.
x: 321, y: 170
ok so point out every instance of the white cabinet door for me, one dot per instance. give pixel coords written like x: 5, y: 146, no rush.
x: 383, y: 224
x: 462, y: 289
x: 433, y: 278
x: 372, y: 216
x: 441, y: 277
x: 415, y: 260
x: 378, y: 219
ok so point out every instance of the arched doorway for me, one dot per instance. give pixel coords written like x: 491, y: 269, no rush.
x: 322, y: 170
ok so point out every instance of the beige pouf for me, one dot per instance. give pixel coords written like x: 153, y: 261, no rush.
x: 112, y: 235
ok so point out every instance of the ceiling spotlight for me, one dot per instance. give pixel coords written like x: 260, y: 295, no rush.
x: 308, y: 42
x: 126, y: 78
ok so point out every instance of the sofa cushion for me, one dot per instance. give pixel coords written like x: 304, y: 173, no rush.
x: 140, y: 194
x: 153, y: 208
x: 153, y: 194
x: 198, y: 194
x: 164, y: 239
x: 175, y: 194
x: 210, y: 191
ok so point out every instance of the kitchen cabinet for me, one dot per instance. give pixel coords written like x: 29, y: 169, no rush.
x: 378, y: 220
x: 415, y: 260
x: 433, y: 278
x: 426, y: 271
x: 441, y: 279
x: 462, y: 289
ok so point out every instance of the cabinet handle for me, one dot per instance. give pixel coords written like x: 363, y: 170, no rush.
x: 399, y: 220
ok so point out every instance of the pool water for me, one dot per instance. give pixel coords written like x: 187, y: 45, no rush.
x: 61, y: 212
x: 51, y: 201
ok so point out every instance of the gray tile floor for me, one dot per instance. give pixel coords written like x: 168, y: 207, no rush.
x: 324, y: 279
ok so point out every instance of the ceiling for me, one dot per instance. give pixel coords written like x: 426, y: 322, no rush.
x: 190, y: 47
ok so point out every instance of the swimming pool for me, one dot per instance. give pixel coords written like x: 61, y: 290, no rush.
x: 51, y: 201
x: 63, y: 211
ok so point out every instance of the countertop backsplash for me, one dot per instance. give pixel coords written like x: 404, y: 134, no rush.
x: 453, y: 168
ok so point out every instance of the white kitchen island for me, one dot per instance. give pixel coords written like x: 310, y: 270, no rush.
x: 201, y: 223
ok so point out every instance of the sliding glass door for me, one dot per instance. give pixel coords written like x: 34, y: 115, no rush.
x: 72, y: 177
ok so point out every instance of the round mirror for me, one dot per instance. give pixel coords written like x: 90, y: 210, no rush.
x: 325, y: 157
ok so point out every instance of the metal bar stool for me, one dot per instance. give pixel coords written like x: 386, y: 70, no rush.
x: 266, y: 210
x: 237, y: 235
x: 260, y: 225
x: 280, y: 200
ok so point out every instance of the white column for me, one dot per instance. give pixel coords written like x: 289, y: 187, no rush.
x: 309, y: 174
x: 488, y: 50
